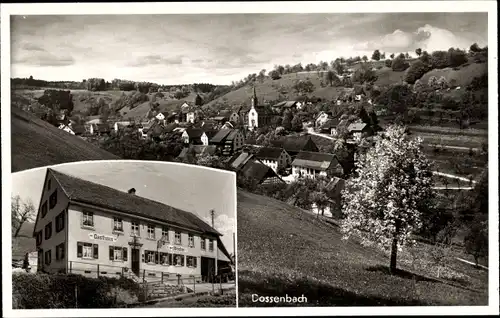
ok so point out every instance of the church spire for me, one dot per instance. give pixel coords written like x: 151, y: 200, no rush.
x: 254, y: 98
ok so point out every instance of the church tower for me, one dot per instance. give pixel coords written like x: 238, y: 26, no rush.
x: 254, y: 98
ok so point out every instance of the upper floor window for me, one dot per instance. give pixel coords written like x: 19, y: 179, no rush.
x: 117, y: 224
x: 178, y: 239
x: 60, y: 252
x: 203, y: 244
x: 44, y: 209
x: 211, y: 245
x: 53, y: 199
x: 60, y: 221
x: 164, y: 234
x: 39, y: 238
x: 191, y: 240
x: 151, y: 231
x: 48, y: 231
x: 134, y: 228
x: 88, y: 218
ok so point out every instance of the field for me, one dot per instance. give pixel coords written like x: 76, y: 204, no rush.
x: 36, y: 143
x: 285, y: 250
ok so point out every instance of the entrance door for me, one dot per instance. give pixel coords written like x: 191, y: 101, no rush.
x: 136, y: 261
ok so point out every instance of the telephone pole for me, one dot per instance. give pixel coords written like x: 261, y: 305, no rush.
x: 212, y: 214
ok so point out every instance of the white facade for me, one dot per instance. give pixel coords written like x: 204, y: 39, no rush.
x: 66, y: 129
x: 160, y: 116
x: 253, y: 119
x: 190, y: 117
x: 299, y: 171
x: 204, y: 139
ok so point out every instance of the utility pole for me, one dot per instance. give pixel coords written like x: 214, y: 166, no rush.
x: 212, y: 214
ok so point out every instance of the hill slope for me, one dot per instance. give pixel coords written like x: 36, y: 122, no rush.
x: 285, y: 250
x: 36, y: 143
x: 24, y: 242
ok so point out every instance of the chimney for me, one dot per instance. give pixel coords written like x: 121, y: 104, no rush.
x: 131, y: 191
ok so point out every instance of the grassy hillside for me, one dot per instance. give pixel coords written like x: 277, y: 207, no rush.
x: 463, y: 76
x: 24, y: 242
x: 36, y: 143
x: 285, y: 250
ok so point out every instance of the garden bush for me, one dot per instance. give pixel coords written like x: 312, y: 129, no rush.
x: 31, y: 291
x: 416, y: 70
x: 399, y: 64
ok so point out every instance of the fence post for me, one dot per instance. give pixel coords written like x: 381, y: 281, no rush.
x: 143, y: 275
x: 220, y: 281
x: 122, y: 271
x: 97, y: 270
x: 76, y: 296
x: 178, y: 279
x: 162, y: 277
x: 194, y: 285
x: 70, y: 267
x: 213, y: 290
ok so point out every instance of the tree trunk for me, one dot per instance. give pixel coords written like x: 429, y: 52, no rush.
x: 394, y: 254
x: 18, y: 229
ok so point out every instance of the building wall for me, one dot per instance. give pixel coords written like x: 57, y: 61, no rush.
x: 307, y: 172
x: 103, y: 225
x: 239, y: 141
x: 235, y: 118
x: 55, y: 238
x: 253, y: 119
x: 185, y: 137
x: 273, y: 164
x: 204, y: 139
x: 190, y: 117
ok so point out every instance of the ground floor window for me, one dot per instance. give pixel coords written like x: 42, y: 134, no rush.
x: 60, y: 252
x: 48, y: 257
x: 165, y: 259
x: 87, y: 250
x: 178, y: 260
x: 191, y: 261
x: 151, y: 257
x: 118, y: 253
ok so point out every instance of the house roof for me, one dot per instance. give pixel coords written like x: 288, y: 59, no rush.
x: 170, y: 127
x: 239, y: 160
x: 269, y: 153
x: 330, y: 123
x: 286, y: 104
x: 221, y: 135
x: 292, y: 143
x: 210, y: 133
x: 314, y: 160
x: 79, y: 190
x: 232, y: 135
x: 220, y: 118
x: 356, y: 127
x: 256, y: 170
x: 78, y: 129
x: 194, y: 132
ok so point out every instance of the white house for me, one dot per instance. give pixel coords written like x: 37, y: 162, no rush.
x: 66, y: 128
x: 184, y: 105
x: 275, y: 158
x: 321, y: 119
x: 312, y: 164
x: 195, y: 136
x: 190, y: 117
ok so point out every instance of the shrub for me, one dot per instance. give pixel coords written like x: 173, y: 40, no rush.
x: 32, y: 291
x: 388, y: 62
x: 399, y: 64
x: 440, y: 59
x: 57, y: 99
x: 433, y: 82
x: 364, y: 75
x: 416, y: 70
x: 456, y: 57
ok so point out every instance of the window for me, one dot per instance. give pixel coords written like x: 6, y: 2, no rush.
x: 211, y: 245
x: 88, y: 219
x: 203, y: 245
x: 60, y: 252
x: 87, y: 250
x: 40, y: 258
x: 135, y: 229
x: 178, y: 239
x: 191, y: 261
x: 53, y: 199
x: 49, y: 184
x: 117, y: 224
x: 191, y: 240
x: 60, y: 222
x: 151, y: 257
x: 164, y: 234
x: 118, y: 253
x: 39, y: 238
x: 48, y: 231
x: 165, y: 259
x: 178, y: 260
x: 151, y: 232
x: 48, y: 257
x: 44, y: 209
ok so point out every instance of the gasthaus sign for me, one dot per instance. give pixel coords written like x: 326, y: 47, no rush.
x: 102, y: 237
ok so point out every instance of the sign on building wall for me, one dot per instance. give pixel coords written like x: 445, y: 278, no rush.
x: 175, y: 248
x: 102, y: 237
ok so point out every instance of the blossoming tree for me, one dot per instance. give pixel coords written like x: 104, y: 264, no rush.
x: 383, y: 202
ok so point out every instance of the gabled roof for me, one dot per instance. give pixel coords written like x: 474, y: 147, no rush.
x: 272, y: 153
x: 232, y: 135
x: 330, y: 123
x: 220, y: 136
x: 210, y: 133
x: 292, y: 143
x: 314, y: 160
x: 194, y: 132
x: 256, y: 170
x: 354, y: 127
x: 82, y: 191
x: 239, y: 160
x: 286, y: 104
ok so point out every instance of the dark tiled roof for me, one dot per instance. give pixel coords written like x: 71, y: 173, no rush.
x: 256, y: 170
x: 314, y: 160
x: 330, y: 123
x: 239, y: 160
x: 210, y: 133
x: 78, y: 129
x: 170, y: 127
x: 293, y: 144
x: 83, y: 191
x: 232, y: 135
x: 220, y: 136
x: 194, y: 132
x: 269, y: 153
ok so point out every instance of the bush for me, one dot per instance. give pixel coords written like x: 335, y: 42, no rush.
x: 456, y: 57
x: 39, y: 291
x: 416, y: 70
x: 388, y: 62
x: 439, y: 59
x: 399, y: 64
x: 364, y: 75
x: 57, y: 99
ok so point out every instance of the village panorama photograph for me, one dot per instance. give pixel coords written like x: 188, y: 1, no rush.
x: 359, y: 144
x: 123, y: 234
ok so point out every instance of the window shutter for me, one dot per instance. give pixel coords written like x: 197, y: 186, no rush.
x: 125, y: 250
x: 143, y: 258
x: 96, y: 251
x: 63, y: 216
x: 182, y: 260
x: 169, y: 259
x: 63, y: 248
x: 194, y: 261
x: 157, y: 257
x: 57, y: 252
x: 111, y: 253
x: 79, y: 249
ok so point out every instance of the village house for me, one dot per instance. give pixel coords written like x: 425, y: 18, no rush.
x: 197, y: 151
x: 330, y: 127
x: 359, y: 130
x: 246, y: 165
x: 291, y: 105
x: 86, y: 228
x: 312, y: 164
x: 275, y: 158
x: 162, y: 116
x: 295, y: 144
x: 195, y: 136
x: 228, y: 141
x: 258, y: 116
x: 334, y: 192
x: 322, y: 118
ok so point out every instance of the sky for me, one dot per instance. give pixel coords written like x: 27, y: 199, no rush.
x: 189, y: 188
x: 221, y: 48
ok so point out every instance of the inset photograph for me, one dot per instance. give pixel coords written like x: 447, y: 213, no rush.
x: 109, y: 234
